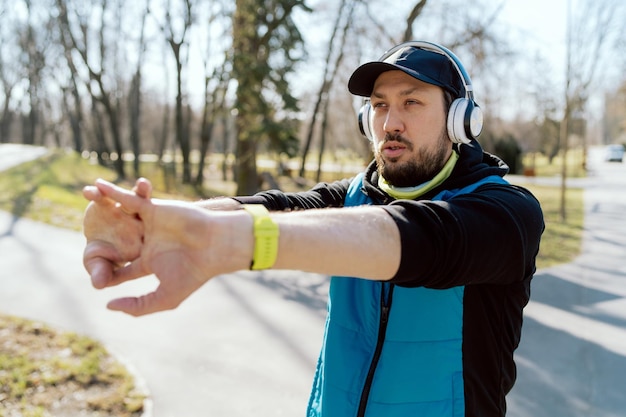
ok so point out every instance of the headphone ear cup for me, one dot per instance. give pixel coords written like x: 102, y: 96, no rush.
x: 365, y: 126
x: 465, y: 121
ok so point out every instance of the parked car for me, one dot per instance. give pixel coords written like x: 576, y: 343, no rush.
x: 614, y: 153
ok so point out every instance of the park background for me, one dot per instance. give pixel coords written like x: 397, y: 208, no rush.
x: 219, y: 97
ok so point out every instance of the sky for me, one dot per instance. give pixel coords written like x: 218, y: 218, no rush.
x: 537, y: 28
x: 541, y: 23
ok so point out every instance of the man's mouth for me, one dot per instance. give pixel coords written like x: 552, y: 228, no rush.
x: 392, y: 150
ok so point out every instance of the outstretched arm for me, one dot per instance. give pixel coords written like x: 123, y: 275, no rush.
x: 184, y: 245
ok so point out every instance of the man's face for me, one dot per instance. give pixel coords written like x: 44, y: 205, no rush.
x: 409, y: 125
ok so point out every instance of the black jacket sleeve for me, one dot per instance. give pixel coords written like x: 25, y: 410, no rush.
x: 489, y: 236
x: 321, y: 196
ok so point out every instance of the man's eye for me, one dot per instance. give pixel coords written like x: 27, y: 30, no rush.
x: 378, y: 105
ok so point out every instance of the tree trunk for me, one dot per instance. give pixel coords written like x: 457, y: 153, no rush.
x: 324, y: 88
x: 176, y: 43
x: 244, y: 32
x: 74, y: 118
x: 206, y: 128
x: 7, y: 115
x: 326, y: 96
x: 181, y: 138
x: 134, y: 114
x: 134, y: 99
x: 415, y: 12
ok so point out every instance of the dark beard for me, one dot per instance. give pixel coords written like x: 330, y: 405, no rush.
x: 416, y: 171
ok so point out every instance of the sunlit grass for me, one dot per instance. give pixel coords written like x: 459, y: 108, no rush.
x: 561, y: 241
x: 49, y: 189
x: 544, y: 167
x: 37, y: 359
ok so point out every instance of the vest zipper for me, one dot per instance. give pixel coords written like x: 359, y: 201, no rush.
x: 385, y: 306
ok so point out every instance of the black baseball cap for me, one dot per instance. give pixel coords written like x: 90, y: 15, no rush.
x: 425, y: 65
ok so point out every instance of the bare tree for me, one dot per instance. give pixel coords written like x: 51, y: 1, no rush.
x: 8, y: 81
x: 12, y: 70
x: 325, y: 94
x: 215, y: 89
x: 413, y: 15
x: 101, y: 85
x: 214, y: 106
x: 6, y: 118
x: 614, y: 120
x: 327, y: 79
x: 72, y: 100
x: 32, y: 44
x: 134, y: 95
x: 589, y: 35
x: 177, y: 43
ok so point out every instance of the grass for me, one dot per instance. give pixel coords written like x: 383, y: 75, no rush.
x: 543, y: 167
x: 561, y: 241
x: 49, y: 189
x: 39, y: 366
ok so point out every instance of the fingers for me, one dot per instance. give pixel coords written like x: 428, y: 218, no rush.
x: 143, y: 188
x: 130, y: 201
x: 92, y: 193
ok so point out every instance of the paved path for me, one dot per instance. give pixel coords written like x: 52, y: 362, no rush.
x: 246, y: 344
x: 572, y: 359
x: 13, y: 154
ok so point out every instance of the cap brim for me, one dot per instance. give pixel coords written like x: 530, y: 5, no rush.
x: 361, y: 83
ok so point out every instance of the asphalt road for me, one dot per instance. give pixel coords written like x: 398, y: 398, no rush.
x: 572, y: 359
x: 246, y: 344
x: 13, y: 154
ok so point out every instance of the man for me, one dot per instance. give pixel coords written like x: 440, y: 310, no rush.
x: 440, y: 247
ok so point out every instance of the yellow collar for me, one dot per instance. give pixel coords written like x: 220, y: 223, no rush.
x: 411, y: 193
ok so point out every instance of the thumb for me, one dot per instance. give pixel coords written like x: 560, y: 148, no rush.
x: 100, y: 270
x: 146, y: 304
x: 100, y: 259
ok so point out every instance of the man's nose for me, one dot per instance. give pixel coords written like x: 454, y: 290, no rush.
x: 393, y: 122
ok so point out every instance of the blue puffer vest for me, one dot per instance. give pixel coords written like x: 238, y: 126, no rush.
x: 379, y: 361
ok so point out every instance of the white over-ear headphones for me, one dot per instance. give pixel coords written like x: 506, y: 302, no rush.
x: 465, y: 118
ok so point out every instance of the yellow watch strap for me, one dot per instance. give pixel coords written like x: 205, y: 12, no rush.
x: 265, y: 237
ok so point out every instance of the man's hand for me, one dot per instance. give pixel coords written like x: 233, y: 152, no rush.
x: 182, y: 244
x: 114, y: 236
